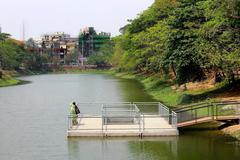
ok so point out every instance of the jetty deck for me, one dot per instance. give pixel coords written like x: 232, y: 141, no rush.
x: 125, y: 120
x: 134, y: 119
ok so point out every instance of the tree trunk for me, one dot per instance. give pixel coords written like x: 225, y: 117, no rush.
x: 1, y: 74
x: 174, y: 71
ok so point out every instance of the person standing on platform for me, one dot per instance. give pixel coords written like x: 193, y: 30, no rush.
x: 74, y: 111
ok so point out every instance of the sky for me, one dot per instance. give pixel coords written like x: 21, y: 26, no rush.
x: 69, y: 16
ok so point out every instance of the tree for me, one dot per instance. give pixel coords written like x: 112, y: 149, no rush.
x: 4, y: 36
x: 103, y: 57
x: 182, y: 54
x: 182, y: 38
x: 220, y: 35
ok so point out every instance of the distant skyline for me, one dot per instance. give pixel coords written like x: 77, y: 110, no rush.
x: 69, y: 16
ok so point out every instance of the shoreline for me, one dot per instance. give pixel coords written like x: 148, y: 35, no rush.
x: 233, y: 131
x: 11, y: 77
x: 161, y: 90
x: 13, y: 82
x: 152, y: 85
x: 151, y: 82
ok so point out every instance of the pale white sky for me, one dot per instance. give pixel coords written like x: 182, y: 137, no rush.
x: 69, y: 16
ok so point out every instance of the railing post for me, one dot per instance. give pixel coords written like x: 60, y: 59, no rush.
x: 68, y: 123
x: 170, y: 117
x: 208, y: 111
x: 143, y: 123
x: 139, y: 121
x: 212, y: 110
x: 192, y: 115
x: 216, y: 111
x: 195, y: 115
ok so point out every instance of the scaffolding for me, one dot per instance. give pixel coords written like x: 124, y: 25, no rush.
x: 90, y: 42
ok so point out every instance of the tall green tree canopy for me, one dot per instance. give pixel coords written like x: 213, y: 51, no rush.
x: 183, y: 38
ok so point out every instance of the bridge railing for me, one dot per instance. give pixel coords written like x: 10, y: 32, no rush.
x: 214, y: 110
x: 222, y: 109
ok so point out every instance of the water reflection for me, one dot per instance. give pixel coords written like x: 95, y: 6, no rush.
x: 33, y: 124
x: 210, y: 146
x: 122, y: 148
x: 132, y: 91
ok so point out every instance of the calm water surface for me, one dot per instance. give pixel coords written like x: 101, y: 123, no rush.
x: 33, y: 124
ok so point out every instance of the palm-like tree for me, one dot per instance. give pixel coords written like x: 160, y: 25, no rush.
x: 4, y: 36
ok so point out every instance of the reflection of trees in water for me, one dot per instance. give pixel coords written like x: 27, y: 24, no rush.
x: 199, y: 145
x: 190, y: 145
x: 164, y: 148
x: 209, y: 145
x: 133, y: 91
x: 98, y: 149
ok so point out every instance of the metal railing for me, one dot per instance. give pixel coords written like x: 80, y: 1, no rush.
x: 214, y: 110
x: 133, y: 116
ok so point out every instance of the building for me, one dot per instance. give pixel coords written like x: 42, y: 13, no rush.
x: 57, y: 44
x: 90, y: 41
x: 54, y: 42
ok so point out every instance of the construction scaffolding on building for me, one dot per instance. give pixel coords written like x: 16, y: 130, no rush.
x: 90, y: 41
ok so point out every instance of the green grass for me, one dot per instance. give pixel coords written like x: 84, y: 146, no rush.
x: 8, y: 82
x: 162, y: 91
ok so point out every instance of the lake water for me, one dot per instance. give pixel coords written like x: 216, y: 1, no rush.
x: 33, y: 124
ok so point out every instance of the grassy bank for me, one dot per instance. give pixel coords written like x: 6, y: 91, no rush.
x: 163, y: 91
x: 159, y: 89
x: 8, y: 82
x: 166, y: 91
x: 8, y: 78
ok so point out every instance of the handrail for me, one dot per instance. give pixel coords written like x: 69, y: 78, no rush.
x: 212, y: 110
x: 209, y: 105
x: 205, y: 103
x: 111, y: 110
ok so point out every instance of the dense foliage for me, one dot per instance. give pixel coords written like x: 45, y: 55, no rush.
x: 103, y: 56
x: 13, y: 56
x: 183, y: 39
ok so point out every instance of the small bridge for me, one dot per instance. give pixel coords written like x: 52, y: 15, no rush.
x: 207, y: 112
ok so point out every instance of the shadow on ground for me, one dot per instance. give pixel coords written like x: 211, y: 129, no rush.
x: 229, y: 90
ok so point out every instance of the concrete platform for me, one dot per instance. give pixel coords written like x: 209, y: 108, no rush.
x: 149, y: 126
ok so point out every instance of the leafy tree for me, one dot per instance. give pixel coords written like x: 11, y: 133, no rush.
x: 4, y: 36
x: 183, y: 38
x: 220, y: 35
x: 103, y: 57
x: 182, y: 54
x: 72, y: 57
